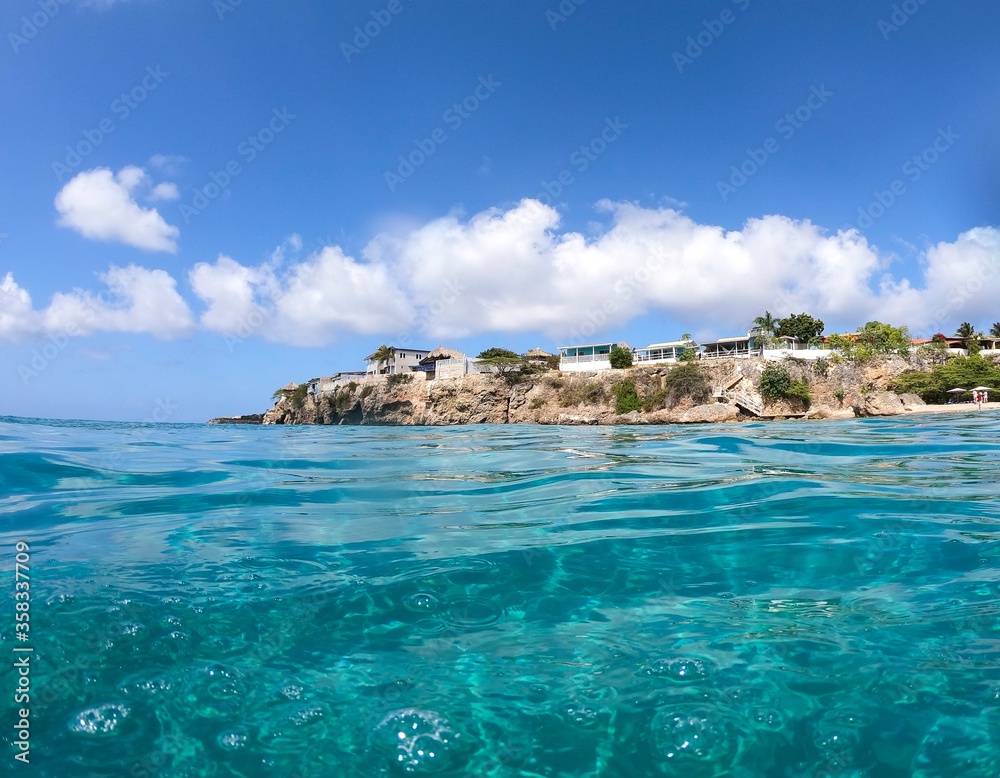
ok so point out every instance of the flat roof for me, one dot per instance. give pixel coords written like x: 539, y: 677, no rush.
x: 727, y: 340
x: 596, y: 345
x: 674, y: 344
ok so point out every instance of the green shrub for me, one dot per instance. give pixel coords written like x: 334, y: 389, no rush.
x: 537, y: 403
x: 298, y: 397
x: 654, y: 401
x: 626, y: 397
x: 397, y: 379
x: 822, y: 366
x: 933, y: 386
x: 365, y: 391
x: 799, y: 390
x: 577, y: 392
x: 774, y: 382
x: 686, y: 380
x: 621, y: 358
x: 777, y: 384
x: 688, y: 355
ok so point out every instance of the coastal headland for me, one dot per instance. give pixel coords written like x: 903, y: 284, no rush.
x: 731, y: 392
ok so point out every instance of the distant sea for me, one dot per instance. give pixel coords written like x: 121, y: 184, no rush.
x: 786, y: 599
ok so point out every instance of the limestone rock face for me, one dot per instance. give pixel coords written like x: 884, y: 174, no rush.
x: 839, y: 388
x: 881, y: 404
x: 716, y: 412
x: 911, y: 400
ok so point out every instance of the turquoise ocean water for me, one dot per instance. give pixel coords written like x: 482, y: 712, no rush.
x: 783, y: 599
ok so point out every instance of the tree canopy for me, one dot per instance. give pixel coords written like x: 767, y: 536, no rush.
x: 767, y: 323
x: 620, y: 358
x: 498, y: 353
x: 801, y: 326
x: 964, y: 372
x: 383, y: 355
x: 995, y: 330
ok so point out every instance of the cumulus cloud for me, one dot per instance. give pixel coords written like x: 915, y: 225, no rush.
x: 517, y: 270
x: 308, y: 303
x: 134, y: 300
x: 101, y: 205
x: 137, y: 300
x: 165, y: 191
x: 17, y: 317
x: 168, y: 164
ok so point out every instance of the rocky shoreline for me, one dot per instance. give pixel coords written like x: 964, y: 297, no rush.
x: 839, y: 389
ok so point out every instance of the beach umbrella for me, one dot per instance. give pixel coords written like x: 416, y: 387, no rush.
x: 957, y: 389
x: 982, y: 389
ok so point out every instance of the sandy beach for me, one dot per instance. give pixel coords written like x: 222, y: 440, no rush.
x: 954, y: 408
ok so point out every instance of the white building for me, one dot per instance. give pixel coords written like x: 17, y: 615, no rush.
x: 403, y: 360
x: 594, y: 356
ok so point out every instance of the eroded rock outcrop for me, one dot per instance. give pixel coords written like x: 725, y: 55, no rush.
x: 839, y: 388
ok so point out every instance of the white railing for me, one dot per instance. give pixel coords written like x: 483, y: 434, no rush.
x: 585, y: 358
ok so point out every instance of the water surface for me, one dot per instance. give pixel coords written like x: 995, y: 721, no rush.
x: 782, y: 599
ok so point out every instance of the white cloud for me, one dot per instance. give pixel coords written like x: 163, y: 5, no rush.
x: 515, y: 270
x: 100, y: 5
x: 135, y: 300
x: 168, y: 164
x: 165, y: 191
x: 309, y: 304
x: 101, y: 206
x: 17, y: 317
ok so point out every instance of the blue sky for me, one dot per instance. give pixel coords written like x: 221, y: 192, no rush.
x: 203, y: 200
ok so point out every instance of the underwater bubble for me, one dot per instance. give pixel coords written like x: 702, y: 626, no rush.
x: 430, y: 626
x: 689, y: 735
x: 233, y: 739
x: 956, y: 746
x: 147, y: 686
x: 291, y: 691
x: 683, y: 670
x: 581, y: 715
x: 421, y: 602
x: 414, y: 742
x: 100, y: 721
x: 471, y: 612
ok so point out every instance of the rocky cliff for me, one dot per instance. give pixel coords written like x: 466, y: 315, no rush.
x: 838, y: 388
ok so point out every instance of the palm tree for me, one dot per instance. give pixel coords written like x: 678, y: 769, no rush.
x: 965, y: 330
x: 995, y: 330
x: 767, y: 323
x: 383, y: 355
